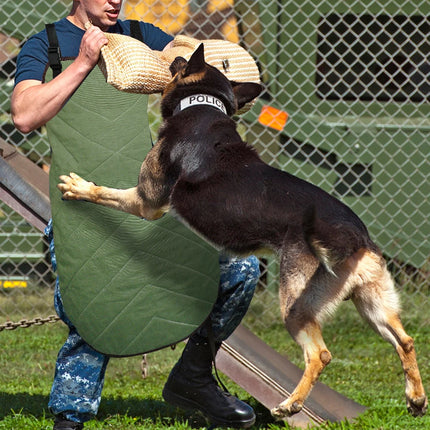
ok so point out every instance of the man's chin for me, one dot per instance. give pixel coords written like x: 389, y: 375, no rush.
x: 105, y: 24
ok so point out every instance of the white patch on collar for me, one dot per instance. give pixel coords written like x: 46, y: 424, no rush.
x: 202, y: 99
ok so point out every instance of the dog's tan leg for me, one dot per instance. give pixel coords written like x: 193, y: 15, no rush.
x: 308, y: 335
x: 415, y: 396
x: 301, y: 313
x: 74, y: 187
x: 376, y: 300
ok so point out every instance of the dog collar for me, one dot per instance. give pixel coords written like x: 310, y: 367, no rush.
x: 200, y: 99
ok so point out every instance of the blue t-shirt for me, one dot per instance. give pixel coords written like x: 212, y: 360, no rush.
x: 33, y: 59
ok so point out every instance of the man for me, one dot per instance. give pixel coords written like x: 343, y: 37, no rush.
x: 79, y: 376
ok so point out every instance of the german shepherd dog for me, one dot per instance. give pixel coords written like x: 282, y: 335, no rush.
x: 202, y: 170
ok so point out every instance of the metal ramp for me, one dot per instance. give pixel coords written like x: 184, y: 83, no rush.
x: 265, y: 374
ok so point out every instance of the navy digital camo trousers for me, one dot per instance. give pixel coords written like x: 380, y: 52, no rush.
x: 80, y: 370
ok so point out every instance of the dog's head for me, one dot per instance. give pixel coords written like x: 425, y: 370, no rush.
x: 196, y: 76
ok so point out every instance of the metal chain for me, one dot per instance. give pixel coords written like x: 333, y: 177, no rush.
x: 9, y: 325
x: 144, y: 366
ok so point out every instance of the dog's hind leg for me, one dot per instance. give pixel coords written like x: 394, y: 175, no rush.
x: 308, y: 335
x: 376, y: 300
x: 298, y: 270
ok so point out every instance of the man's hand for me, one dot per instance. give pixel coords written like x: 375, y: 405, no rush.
x: 91, y: 45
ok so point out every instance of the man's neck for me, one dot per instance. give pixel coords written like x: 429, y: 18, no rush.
x: 74, y: 19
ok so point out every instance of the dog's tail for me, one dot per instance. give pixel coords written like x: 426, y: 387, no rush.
x: 321, y: 251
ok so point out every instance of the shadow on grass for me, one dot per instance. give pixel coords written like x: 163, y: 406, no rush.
x: 32, y: 404
x: 155, y: 411
x: 160, y: 411
x: 37, y: 405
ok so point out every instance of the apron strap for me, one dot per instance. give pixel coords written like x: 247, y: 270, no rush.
x: 135, y: 30
x: 54, y: 52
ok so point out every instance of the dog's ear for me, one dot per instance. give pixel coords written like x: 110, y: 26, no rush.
x: 244, y: 92
x: 196, y: 64
x: 177, y: 64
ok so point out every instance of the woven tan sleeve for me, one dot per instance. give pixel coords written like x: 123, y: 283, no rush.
x: 131, y: 66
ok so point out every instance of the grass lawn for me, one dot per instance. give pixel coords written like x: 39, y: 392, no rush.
x: 364, y: 368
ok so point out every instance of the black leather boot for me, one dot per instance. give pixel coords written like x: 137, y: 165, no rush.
x: 61, y: 423
x: 191, y: 385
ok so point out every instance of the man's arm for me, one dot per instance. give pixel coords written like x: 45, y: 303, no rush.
x: 34, y: 103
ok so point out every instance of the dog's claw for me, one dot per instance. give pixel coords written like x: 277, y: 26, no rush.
x: 277, y: 413
x: 73, y: 187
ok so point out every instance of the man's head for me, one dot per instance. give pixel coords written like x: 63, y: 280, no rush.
x: 101, y: 13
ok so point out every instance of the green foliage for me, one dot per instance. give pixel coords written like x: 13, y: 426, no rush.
x: 364, y: 368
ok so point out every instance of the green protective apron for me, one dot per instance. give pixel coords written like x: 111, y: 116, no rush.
x: 128, y: 285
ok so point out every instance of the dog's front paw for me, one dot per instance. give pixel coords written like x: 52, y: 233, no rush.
x: 286, y: 409
x: 74, y: 187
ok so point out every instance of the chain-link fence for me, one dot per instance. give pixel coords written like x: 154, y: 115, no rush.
x: 346, y: 106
